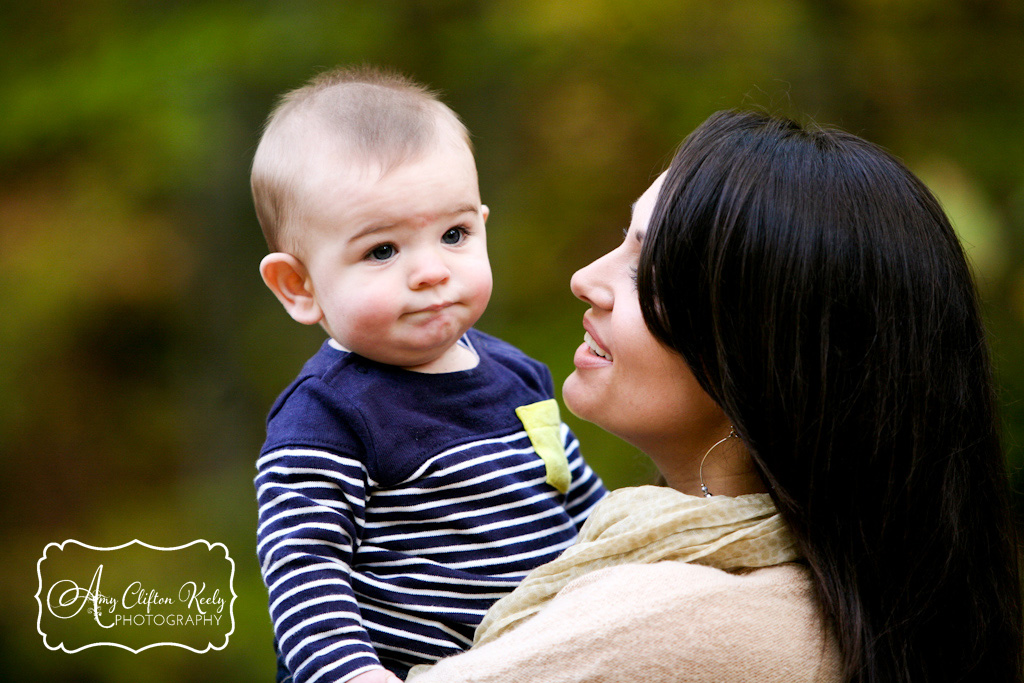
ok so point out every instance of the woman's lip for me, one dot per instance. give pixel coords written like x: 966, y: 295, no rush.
x: 584, y: 358
x: 589, y: 328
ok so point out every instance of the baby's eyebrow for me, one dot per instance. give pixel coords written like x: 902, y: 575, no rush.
x: 380, y: 227
x: 371, y: 229
x: 465, y: 208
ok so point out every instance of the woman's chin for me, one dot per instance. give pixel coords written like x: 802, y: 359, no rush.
x: 574, y: 395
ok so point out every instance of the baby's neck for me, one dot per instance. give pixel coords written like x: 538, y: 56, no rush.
x: 455, y: 359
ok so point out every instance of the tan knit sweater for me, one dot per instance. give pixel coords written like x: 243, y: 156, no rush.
x: 666, y: 622
x: 660, y: 587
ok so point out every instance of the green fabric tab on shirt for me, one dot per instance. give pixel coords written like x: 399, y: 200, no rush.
x: 544, y: 427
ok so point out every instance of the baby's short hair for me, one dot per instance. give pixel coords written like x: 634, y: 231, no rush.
x: 371, y: 114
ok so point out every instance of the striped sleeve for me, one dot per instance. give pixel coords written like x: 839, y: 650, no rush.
x: 311, y: 515
x: 587, y: 489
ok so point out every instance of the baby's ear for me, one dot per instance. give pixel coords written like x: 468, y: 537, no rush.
x: 288, y: 279
x: 485, y: 211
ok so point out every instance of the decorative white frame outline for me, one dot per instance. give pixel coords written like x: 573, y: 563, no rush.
x: 210, y: 546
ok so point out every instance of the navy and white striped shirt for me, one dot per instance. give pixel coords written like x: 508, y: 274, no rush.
x: 395, y: 507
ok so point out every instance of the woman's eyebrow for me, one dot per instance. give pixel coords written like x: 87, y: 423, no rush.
x: 639, y: 232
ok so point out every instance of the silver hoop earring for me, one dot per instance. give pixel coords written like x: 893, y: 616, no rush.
x: 700, y: 472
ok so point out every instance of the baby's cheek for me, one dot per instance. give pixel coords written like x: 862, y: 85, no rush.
x: 373, y: 315
x: 481, y: 284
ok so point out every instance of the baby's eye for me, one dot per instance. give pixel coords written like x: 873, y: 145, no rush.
x: 381, y: 252
x: 454, y: 235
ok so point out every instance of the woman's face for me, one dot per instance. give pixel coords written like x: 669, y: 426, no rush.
x: 626, y: 381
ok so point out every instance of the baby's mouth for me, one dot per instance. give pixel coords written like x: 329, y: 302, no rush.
x: 432, y: 309
x: 597, y: 350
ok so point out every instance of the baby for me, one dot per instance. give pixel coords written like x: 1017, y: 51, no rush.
x: 417, y: 468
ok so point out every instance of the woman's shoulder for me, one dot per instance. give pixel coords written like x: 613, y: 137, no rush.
x: 667, y: 622
x: 683, y: 589
x: 759, y: 624
x: 695, y: 581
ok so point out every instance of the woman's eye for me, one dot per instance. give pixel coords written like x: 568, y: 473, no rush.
x: 454, y: 235
x: 382, y: 252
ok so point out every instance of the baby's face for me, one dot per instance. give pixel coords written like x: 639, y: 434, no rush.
x: 398, y: 263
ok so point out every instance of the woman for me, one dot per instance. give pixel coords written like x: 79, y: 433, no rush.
x: 790, y: 331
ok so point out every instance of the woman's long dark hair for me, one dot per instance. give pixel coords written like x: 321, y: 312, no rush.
x: 821, y: 297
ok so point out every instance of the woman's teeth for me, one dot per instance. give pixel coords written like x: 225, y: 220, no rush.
x: 594, y: 347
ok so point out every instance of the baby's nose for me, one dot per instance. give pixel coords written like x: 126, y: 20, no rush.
x: 429, y: 269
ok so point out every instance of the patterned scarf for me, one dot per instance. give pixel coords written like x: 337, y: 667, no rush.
x: 649, y: 524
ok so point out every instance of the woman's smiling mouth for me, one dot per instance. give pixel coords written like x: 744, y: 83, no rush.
x: 595, y: 347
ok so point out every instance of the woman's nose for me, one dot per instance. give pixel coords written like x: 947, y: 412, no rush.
x: 590, y: 284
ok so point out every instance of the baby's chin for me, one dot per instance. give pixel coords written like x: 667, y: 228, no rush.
x: 448, y: 358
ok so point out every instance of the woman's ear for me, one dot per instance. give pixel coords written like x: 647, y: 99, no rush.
x: 288, y: 279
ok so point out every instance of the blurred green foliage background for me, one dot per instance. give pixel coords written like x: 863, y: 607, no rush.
x: 139, y: 350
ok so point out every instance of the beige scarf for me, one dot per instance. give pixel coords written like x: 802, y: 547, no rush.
x: 649, y: 524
